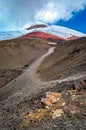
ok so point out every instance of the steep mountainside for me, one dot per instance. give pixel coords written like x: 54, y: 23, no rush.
x: 17, y: 54
x: 50, y: 30
x: 29, y: 103
x: 59, y: 31
x: 69, y: 59
x: 47, y: 36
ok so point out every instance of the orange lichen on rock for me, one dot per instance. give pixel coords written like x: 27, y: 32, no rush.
x: 51, y: 98
x: 56, y: 113
x: 37, y: 115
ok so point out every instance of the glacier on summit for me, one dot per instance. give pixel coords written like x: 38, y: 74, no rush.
x: 60, y: 31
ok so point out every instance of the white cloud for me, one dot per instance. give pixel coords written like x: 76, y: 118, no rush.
x: 14, y: 15
x: 56, y: 10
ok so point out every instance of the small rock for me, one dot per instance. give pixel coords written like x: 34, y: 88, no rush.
x: 63, y: 104
x: 37, y: 115
x: 77, y: 87
x: 46, y: 102
x: 51, y: 98
x: 72, y: 112
x: 57, y: 113
x: 47, y: 107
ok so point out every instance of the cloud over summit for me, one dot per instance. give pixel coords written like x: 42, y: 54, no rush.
x: 19, y: 13
x: 56, y: 10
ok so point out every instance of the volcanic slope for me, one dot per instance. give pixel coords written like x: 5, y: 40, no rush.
x: 22, y: 105
x: 68, y: 59
x: 53, y: 31
x: 17, y: 54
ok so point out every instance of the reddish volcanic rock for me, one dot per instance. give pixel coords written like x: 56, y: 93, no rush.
x: 48, y: 33
x: 73, y: 37
x: 43, y: 35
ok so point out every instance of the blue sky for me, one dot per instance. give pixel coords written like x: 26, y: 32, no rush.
x: 78, y: 22
x: 18, y: 14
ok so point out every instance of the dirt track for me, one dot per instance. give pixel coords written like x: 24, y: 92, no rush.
x: 18, y: 96
x: 28, y: 83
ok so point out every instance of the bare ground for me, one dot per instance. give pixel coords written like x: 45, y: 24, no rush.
x: 23, y: 109
x: 18, y: 54
x: 15, y: 116
x: 68, y: 60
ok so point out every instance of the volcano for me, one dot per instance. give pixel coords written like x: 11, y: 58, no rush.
x: 53, y: 33
x: 42, y: 82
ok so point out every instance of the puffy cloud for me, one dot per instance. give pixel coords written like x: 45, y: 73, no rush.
x: 56, y: 10
x: 15, y: 14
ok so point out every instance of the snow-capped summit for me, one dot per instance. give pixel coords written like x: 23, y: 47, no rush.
x: 43, y: 31
x: 60, y: 31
